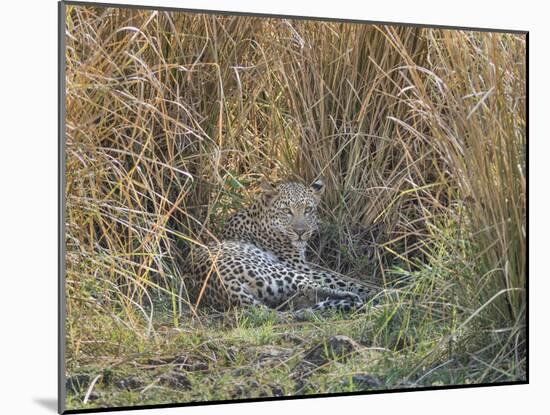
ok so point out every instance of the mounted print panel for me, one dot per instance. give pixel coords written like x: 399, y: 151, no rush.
x: 271, y: 207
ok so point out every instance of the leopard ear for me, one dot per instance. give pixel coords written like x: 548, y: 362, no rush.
x: 318, y: 188
x: 269, y: 192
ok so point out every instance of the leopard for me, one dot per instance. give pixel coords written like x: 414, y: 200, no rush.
x: 260, y: 258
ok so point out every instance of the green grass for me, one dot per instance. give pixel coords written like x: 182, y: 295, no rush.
x: 419, y: 333
x: 174, y: 120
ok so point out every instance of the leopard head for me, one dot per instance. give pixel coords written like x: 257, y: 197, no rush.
x: 290, y: 210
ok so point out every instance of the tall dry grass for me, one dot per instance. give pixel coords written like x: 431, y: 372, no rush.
x: 173, y: 119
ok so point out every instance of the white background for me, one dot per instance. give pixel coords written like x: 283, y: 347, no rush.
x: 28, y: 170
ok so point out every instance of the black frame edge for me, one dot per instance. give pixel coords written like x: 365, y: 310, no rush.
x: 288, y: 398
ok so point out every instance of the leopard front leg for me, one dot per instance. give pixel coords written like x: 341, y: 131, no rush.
x: 309, y: 287
x: 338, y: 282
x: 344, y: 305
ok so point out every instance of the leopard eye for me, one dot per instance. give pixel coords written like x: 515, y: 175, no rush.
x: 287, y: 211
x: 308, y: 209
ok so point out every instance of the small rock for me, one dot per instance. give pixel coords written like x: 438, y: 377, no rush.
x: 175, y: 380
x: 363, y: 381
x: 276, y: 390
x: 292, y: 338
x: 130, y: 383
x: 93, y: 397
x: 189, y: 363
x: 338, y: 348
x: 77, y: 383
x: 300, y: 385
x: 243, y: 372
x: 271, y: 355
x: 238, y: 392
x: 157, y: 361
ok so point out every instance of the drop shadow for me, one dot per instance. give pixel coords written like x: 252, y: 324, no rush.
x: 48, y: 403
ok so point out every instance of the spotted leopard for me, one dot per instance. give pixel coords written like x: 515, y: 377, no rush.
x: 260, y: 258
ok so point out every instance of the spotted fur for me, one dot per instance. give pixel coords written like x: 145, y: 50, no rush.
x: 260, y: 260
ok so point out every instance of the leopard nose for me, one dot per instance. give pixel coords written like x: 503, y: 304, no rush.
x: 300, y: 230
